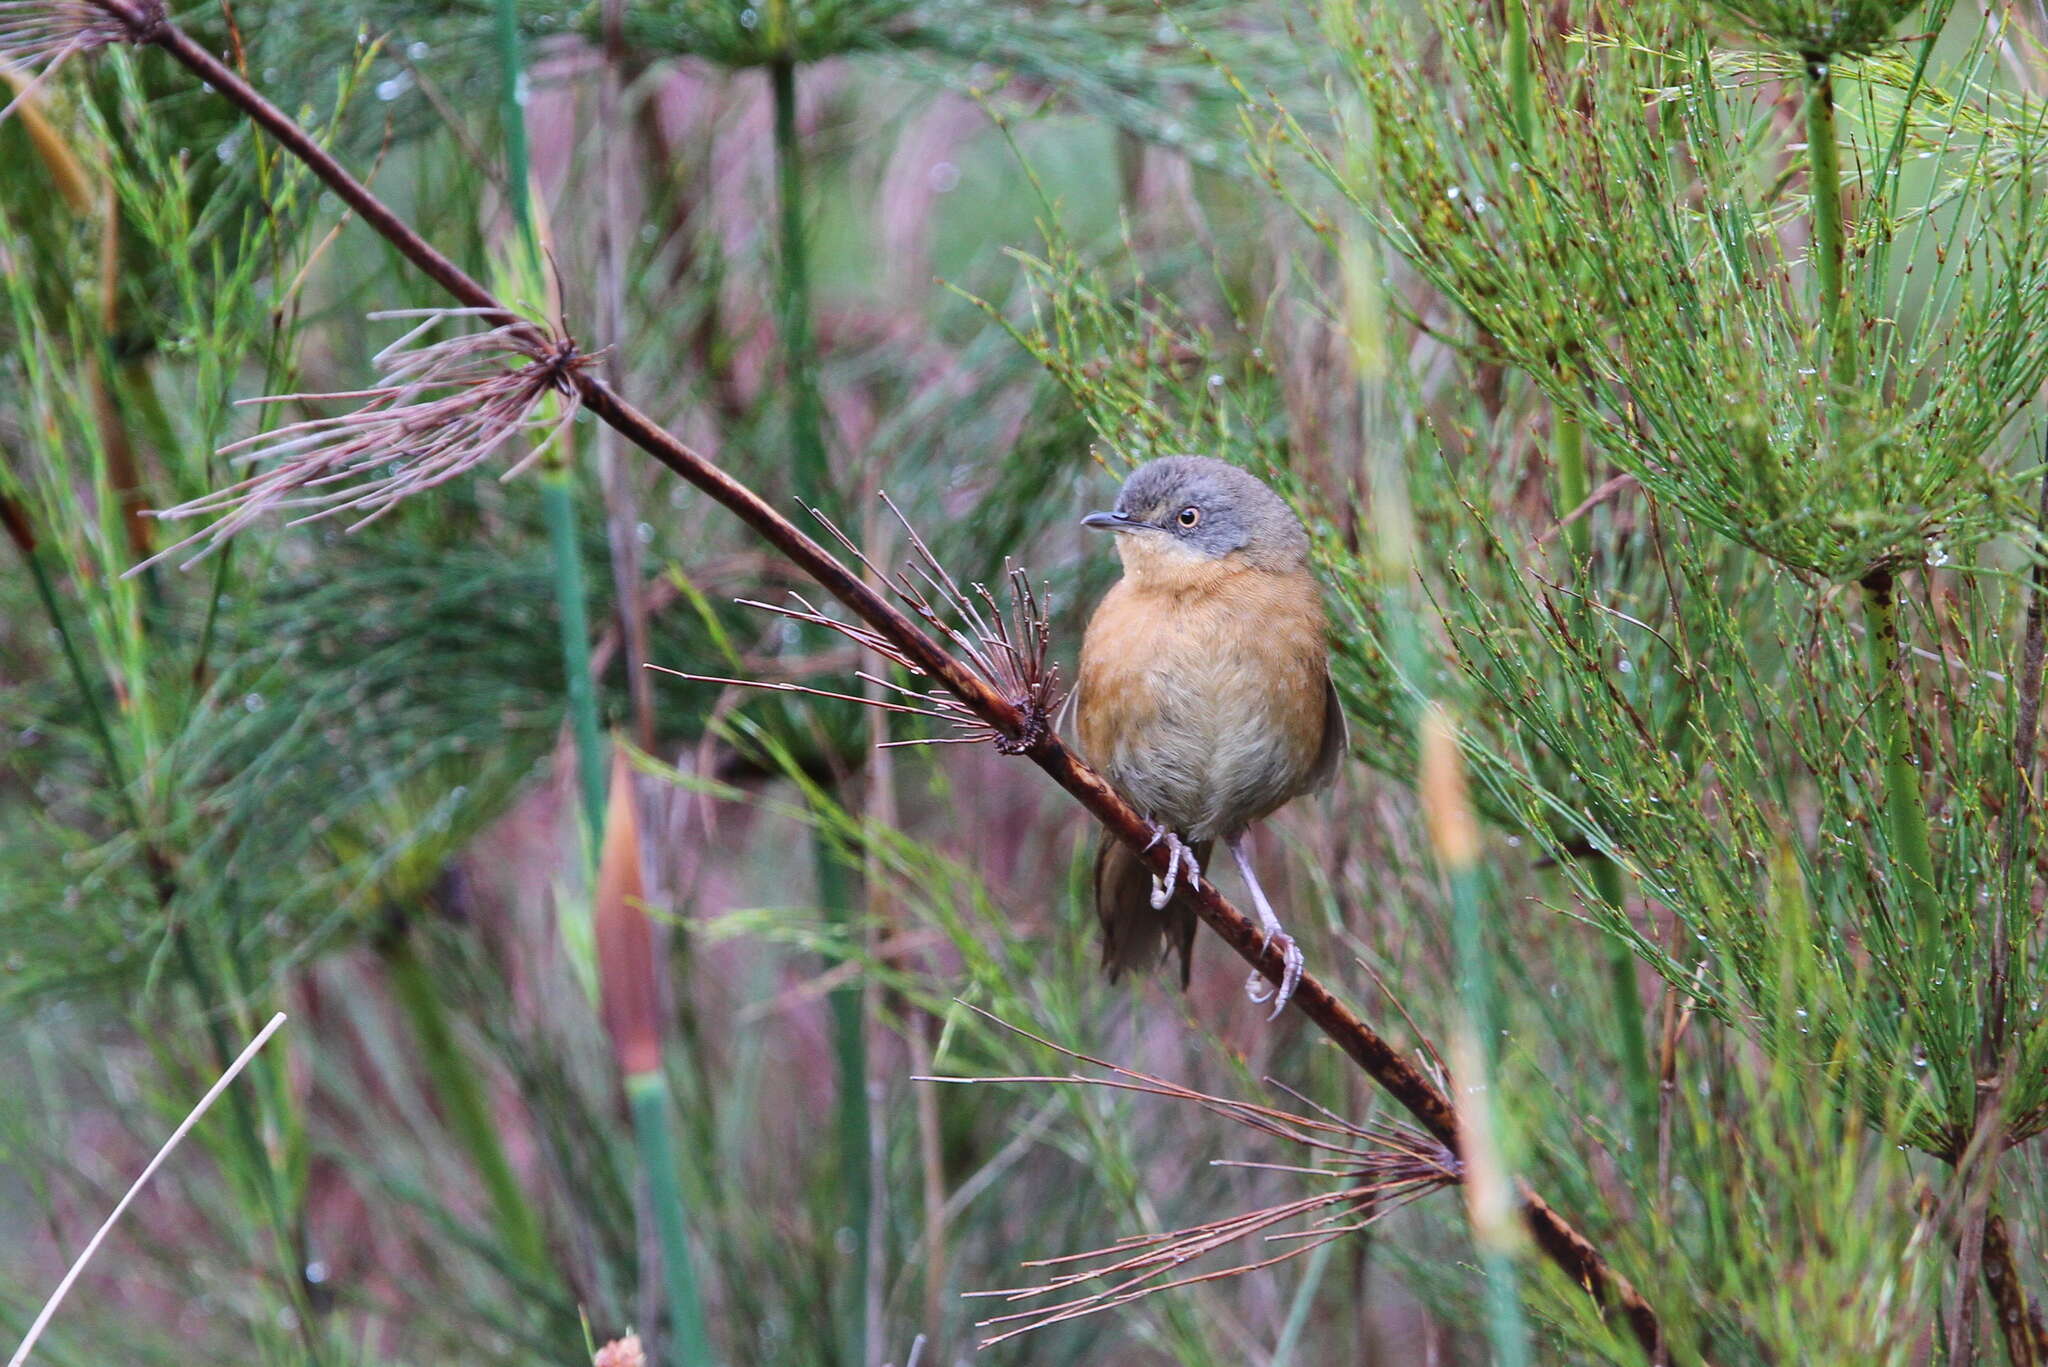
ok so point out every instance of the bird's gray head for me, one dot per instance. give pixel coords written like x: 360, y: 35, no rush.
x: 1204, y: 509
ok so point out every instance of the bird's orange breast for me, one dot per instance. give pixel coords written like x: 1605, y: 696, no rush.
x: 1201, y: 694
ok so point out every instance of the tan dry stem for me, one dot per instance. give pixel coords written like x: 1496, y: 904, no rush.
x: 1445, y: 803
x: 629, y: 989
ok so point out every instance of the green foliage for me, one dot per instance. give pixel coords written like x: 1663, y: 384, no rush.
x: 1121, y: 61
x: 1633, y: 267
x: 1775, y: 674
x: 1823, y: 31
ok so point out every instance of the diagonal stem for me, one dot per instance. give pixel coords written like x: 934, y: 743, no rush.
x: 557, y: 480
x: 2019, y: 1320
x: 1904, y: 806
x: 1573, y: 1253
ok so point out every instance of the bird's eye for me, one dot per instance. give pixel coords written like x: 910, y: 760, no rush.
x: 1189, y: 517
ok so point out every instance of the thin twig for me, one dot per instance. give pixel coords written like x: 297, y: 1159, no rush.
x: 92, y: 1246
x: 621, y: 506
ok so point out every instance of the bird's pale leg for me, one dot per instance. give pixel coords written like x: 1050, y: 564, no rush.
x: 1256, y: 986
x: 1177, y: 854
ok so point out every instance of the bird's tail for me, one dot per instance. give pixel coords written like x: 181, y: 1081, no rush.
x: 1132, y: 930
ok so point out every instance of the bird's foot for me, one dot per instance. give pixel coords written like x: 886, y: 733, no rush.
x: 1178, y: 854
x: 1256, y: 987
x: 1259, y: 990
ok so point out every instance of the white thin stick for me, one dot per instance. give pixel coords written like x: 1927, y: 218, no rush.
x: 35, y: 1331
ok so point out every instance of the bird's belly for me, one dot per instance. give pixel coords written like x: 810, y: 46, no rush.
x: 1220, y: 745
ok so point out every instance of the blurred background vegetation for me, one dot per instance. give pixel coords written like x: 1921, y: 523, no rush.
x: 1656, y: 380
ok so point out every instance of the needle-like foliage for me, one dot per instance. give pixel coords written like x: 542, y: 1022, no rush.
x: 1008, y: 645
x: 1749, y: 699
x: 439, y: 410
x: 1375, y: 1168
x: 1628, y: 256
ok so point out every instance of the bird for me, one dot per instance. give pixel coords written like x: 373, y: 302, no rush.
x: 1203, y: 696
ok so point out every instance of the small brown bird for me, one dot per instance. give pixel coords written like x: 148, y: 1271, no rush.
x: 1204, y: 695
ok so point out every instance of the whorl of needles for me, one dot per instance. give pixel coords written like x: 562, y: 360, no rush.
x: 37, y: 37
x: 1008, y: 645
x: 440, y: 409
x: 1371, y: 1169
x: 40, y: 35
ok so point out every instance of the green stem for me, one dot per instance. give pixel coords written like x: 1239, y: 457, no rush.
x: 512, y: 113
x: 462, y: 1100
x: 46, y: 590
x: 839, y: 892
x: 1637, y: 1076
x: 558, y: 492
x: 1824, y: 162
x: 572, y: 599
x: 1482, y: 1143
x: 793, y: 289
x: 1569, y: 457
x: 1301, y: 1307
x: 1521, y: 88
x: 1905, y: 811
x: 1507, y: 1330
x: 1477, y: 991
x: 648, y: 1095
x: 838, y: 886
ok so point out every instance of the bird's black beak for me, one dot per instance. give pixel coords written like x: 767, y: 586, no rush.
x: 1109, y: 521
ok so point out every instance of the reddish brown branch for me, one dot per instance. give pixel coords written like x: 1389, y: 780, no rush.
x: 2026, y: 1337
x: 146, y: 23
x: 14, y: 519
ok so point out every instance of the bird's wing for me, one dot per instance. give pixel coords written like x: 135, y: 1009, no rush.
x: 1336, y: 738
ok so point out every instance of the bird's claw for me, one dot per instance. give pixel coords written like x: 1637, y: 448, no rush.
x: 1178, y: 854
x: 1259, y: 990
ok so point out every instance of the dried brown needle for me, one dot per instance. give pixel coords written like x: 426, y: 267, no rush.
x: 37, y: 37
x: 1374, y: 1169
x: 439, y: 410
x: 1007, y: 644
x: 35, y: 33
